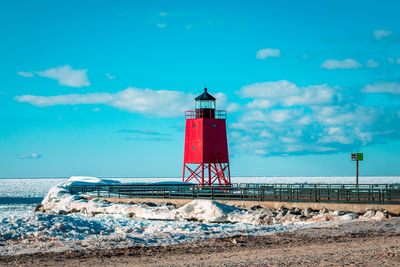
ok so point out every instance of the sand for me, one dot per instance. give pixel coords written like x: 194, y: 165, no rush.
x: 359, y: 243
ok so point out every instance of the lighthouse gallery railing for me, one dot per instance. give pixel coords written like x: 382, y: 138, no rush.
x: 205, y: 113
x: 328, y: 193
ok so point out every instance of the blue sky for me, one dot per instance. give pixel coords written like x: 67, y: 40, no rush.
x: 100, y: 87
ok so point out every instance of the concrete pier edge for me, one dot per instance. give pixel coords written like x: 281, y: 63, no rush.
x: 350, y: 207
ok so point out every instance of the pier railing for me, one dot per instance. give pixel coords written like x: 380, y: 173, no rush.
x: 327, y: 193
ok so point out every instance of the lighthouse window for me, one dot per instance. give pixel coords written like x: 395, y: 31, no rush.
x: 192, y: 147
x: 194, y: 125
x: 214, y: 126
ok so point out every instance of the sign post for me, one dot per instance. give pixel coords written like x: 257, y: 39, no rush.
x: 357, y: 157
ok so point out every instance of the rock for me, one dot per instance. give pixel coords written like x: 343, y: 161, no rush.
x: 379, y: 215
x: 310, y: 212
x: 369, y: 214
x: 258, y: 207
x: 302, y: 217
x: 295, y: 211
x: 60, y: 226
x: 263, y: 219
x: 63, y: 212
x: 38, y: 208
x: 270, y: 212
x: 149, y: 204
x: 348, y: 217
x: 323, y: 211
x: 281, y: 214
x: 289, y: 217
x: 339, y: 212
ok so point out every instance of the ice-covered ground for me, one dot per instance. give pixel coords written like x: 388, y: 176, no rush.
x: 72, y: 223
x: 41, y: 232
x: 98, y: 224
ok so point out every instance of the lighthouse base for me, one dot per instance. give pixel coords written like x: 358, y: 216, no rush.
x: 207, y: 174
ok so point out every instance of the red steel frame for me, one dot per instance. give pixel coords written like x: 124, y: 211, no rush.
x: 207, y: 174
x: 206, y: 158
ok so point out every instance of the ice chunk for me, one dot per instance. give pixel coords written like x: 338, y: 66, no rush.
x: 87, y: 180
x: 59, y: 195
x: 209, y: 211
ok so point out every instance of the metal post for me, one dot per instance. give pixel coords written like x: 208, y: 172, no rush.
x: 357, y: 172
x: 209, y: 175
x: 202, y: 174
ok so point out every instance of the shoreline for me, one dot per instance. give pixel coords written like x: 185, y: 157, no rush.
x: 358, y: 242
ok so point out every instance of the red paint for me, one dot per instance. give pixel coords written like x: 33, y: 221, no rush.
x: 206, y: 158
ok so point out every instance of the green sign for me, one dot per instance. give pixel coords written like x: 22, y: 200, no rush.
x: 357, y: 156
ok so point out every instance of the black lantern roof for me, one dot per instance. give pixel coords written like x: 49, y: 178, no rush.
x: 205, y: 96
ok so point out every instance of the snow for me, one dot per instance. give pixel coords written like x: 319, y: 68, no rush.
x: 46, y: 232
x: 87, y: 180
x: 59, y: 196
x: 71, y: 222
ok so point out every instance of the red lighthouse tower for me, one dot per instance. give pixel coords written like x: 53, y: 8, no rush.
x: 206, y: 158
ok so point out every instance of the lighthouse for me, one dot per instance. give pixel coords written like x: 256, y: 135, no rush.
x: 206, y: 158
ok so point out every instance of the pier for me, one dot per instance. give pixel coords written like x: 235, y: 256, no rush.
x: 315, y: 193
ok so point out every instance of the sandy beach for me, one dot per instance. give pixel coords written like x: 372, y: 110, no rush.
x: 358, y: 243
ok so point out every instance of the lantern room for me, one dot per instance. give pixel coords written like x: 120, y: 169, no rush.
x: 205, y: 101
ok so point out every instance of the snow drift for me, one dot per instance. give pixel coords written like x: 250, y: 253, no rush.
x: 60, y: 201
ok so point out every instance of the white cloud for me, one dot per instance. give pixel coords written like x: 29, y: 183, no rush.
x: 305, y: 120
x: 260, y: 104
x: 318, y: 94
x: 382, y: 87
x: 29, y: 156
x: 3, y: 93
x: 332, y: 64
x: 372, y: 63
x: 111, y: 77
x: 66, y: 76
x: 379, y: 34
x: 286, y: 93
x: 161, y: 25
x: 281, y: 118
x: 269, y: 90
x: 96, y: 109
x: 233, y: 107
x: 163, y: 14
x: 393, y: 60
x: 268, y: 52
x: 279, y: 115
x: 25, y: 74
x: 189, y: 26
x: 160, y: 103
x: 341, y: 139
x: 288, y: 139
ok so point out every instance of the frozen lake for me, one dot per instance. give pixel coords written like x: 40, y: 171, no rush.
x: 21, y: 195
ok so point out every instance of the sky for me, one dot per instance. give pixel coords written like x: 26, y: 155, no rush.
x: 100, y: 88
